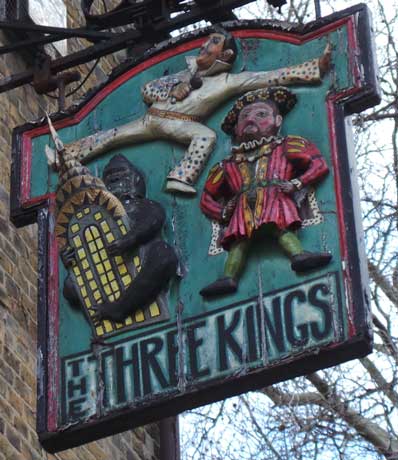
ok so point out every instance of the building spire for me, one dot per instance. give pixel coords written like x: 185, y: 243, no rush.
x: 59, y: 145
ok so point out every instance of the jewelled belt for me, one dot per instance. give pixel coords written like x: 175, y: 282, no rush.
x: 263, y: 183
x: 173, y: 115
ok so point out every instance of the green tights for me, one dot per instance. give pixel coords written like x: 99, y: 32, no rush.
x: 237, y: 255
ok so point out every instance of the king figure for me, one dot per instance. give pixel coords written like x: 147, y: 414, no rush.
x: 252, y: 192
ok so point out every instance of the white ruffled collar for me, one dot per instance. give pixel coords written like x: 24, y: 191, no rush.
x: 255, y: 144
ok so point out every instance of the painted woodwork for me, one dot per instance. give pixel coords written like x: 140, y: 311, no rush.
x: 279, y: 323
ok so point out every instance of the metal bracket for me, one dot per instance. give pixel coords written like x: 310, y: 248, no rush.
x: 45, y: 81
x: 151, y: 22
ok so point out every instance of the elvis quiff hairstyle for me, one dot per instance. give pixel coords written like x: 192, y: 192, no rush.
x: 229, y: 42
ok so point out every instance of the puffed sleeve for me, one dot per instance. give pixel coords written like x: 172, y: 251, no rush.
x: 306, y: 156
x: 213, y: 192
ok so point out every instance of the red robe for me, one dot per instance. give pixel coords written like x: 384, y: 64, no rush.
x: 294, y: 158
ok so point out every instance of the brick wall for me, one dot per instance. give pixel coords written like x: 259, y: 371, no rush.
x: 18, y: 290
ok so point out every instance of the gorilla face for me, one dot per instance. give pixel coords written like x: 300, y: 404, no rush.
x: 120, y: 183
x: 123, y: 180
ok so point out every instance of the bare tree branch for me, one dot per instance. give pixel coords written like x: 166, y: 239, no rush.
x: 371, y: 431
x: 383, y: 283
x: 380, y: 381
x: 279, y: 398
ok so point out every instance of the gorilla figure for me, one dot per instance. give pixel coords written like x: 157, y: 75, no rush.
x: 158, y: 259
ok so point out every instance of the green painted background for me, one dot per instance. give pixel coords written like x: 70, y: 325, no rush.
x: 192, y: 231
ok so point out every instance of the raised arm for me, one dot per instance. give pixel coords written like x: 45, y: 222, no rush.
x: 306, y: 73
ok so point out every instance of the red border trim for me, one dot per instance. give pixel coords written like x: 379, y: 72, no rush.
x: 26, y: 166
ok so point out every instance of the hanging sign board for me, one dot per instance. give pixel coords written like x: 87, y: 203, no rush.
x: 199, y: 232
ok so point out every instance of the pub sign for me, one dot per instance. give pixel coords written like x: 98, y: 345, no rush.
x: 199, y: 231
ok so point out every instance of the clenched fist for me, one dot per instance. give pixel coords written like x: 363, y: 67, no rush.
x: 181, y: 91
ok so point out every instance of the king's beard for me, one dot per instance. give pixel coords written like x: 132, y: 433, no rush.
x: 252, y: 132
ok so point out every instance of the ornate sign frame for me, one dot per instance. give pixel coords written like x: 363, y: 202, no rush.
x: 352, y: 337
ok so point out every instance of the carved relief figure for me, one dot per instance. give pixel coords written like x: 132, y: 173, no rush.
x: 180, y: 103
x: 158, y: 261
x: 108, y: 236
x: 252, y: 192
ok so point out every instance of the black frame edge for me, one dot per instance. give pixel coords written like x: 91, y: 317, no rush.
x: 370, y: 94
x: 123, y: 421
x: 42, y: 321
x: 23, y: 216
